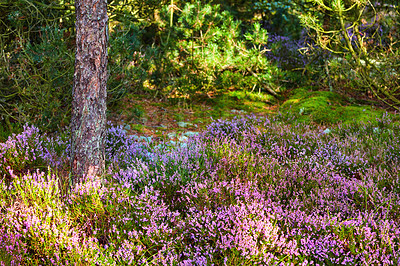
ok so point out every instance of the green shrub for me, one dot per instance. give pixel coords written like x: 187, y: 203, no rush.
x: 38, y: 81
x: 368, y: 55
x: 202, y: 50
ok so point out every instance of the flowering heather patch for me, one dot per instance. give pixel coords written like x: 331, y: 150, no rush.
x: 31, y: 150
x: 248, y: 191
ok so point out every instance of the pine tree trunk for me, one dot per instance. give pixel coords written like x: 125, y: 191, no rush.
x: 89, y: 89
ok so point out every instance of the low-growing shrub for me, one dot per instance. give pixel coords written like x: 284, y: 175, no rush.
x: 254, y: 190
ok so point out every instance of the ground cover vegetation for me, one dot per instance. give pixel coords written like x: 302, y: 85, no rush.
x: 250, y: 190
x: 311, y: 177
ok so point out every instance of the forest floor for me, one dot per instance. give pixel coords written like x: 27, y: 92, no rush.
x: 141, y: 115
x: 146, y: 116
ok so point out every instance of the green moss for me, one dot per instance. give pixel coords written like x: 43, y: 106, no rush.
x: 138, y: 127
x: 241, y: 100
x: 261, y: 97
x: 325, y: 107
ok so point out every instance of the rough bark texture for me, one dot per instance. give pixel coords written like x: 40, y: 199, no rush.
x: 89, y: 90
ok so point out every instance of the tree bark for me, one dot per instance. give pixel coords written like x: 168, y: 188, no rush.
x: 89, y: 90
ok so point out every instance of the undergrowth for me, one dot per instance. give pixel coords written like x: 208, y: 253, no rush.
x: 253, y: 190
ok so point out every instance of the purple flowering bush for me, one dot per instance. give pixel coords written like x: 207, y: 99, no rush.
x: 32, y: 150
x: 253, y: 190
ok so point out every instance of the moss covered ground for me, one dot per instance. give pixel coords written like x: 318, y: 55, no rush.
x: 143, y: 116
x: 327, y: 108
